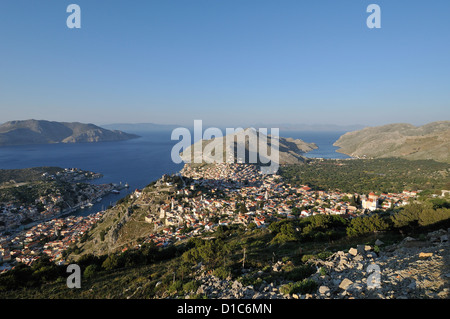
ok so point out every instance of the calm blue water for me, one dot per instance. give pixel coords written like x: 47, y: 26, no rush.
x: 137, y: 162
x: 324, y: 141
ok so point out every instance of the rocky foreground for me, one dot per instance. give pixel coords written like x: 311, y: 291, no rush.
x: 411, y: 269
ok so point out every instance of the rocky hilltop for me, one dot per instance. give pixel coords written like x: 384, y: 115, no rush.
x: 430, y: 141
x: 46, y: 132
x: 291, y: 150
x: 411, y: 269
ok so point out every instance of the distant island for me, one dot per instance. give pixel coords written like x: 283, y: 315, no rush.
x: 430, y: 141
x: 47, y: 132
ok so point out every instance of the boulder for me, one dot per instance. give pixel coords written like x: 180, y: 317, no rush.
x: 371, y: 254
x: 357, y: 286
x: 425, y: 255
x: 324, y: 290
x: 408, y: 239
x: 345, y: 283
x: 353, y: 251
x: 277, y: 266
x: 363, y: 248
x: 412, y: 285
x: 379, y: 242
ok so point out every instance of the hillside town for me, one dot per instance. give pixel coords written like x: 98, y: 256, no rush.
x: 51, y: 238
x: 28, y: 230
x: 67, y: 195
x: 204, y: 198
x: 226, y: 194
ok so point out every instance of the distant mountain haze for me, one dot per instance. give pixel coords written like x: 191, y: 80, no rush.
x: 47, y: 132
x: 430, y: 141
x: 136, y: 127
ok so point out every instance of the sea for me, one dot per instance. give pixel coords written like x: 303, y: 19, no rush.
x: 136, y: 162
x: 323, y: 139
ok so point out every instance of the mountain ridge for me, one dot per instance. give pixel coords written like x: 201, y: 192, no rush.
x: 429, y: 141
x: 290, y: 150
x: 23, y: 132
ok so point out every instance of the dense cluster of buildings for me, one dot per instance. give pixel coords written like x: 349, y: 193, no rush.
x: 226, y: 194
x: 52, y: 238
x: 72, y: 175
x: 30, y: 230
x: 15, y: 214
x: 209, y: 196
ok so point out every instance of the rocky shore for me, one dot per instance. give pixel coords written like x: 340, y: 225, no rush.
x: 411, y: 269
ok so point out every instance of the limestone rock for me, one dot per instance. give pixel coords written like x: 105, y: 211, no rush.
x: 379, y: 242
x: 324, y: 290
x: 425, y: 255
x: 345, y: 283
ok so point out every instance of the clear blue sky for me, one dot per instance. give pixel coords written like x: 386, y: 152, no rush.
x: 232, y: 62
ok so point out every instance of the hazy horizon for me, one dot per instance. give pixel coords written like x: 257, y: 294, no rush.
x: 283, y: 126
x: 229, y: 63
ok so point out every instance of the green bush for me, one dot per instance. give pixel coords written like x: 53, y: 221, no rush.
x: 285, y: 233
x: 110, y: 263
x: 300, y: 272
x: 324, y: 255
x: 90, y: 271
x: 222, y: 272
x: 175, y: 286
x: 423, y: 214
x: 191, y: 286
x: 305, y: 286
x: 366, y: 224
x: 429, y: 217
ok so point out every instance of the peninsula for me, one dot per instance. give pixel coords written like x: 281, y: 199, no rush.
x: 47, y: 132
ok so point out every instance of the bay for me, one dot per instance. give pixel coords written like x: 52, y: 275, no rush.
x: 137, y: 162
x: 323, y: 139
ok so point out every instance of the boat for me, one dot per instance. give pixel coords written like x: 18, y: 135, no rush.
x: 115, y: 191
x: 126, y: 185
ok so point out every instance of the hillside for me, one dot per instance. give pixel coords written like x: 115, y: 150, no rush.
x: 369, y: 175
x: 188, y: 237
x: 26, y: 174
x: 124, y: 224
x: 46, y: 132
x: 402, y: 268
x: 290, y: 150
x: 430, y: 141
